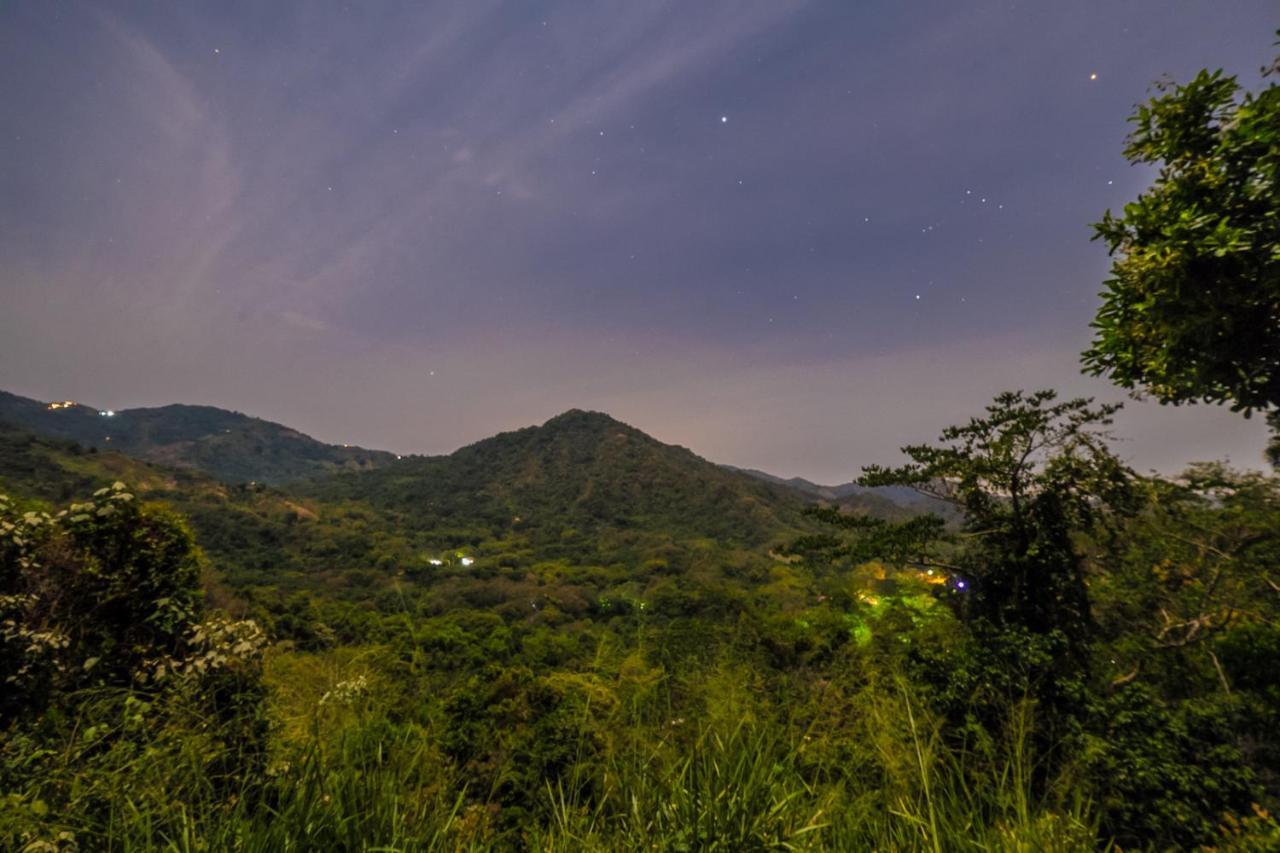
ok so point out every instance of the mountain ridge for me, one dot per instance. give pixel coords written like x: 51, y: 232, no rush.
x: 584, y: 468
x: 233, y: 447
x: 885, y: 501
x: 230, y: 446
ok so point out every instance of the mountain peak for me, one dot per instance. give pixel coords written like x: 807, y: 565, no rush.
x: 579, y: 471
x: 580, y: 425
x: 585, y: 417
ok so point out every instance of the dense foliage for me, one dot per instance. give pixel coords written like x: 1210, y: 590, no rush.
x: 1192, y: 308
x: 107, y: 663
x: 711, y: 698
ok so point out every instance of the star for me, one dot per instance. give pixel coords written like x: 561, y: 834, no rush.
x: 724, y: 119
x: 1093, y: 76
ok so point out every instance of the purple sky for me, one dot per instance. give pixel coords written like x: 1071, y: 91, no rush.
x: 788, y: 235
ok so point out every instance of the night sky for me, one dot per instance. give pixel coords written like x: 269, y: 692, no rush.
x: 788, y: 235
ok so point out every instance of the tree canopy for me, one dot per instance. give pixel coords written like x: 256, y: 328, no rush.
x: 1027, y: 475
x: 1191, y: 311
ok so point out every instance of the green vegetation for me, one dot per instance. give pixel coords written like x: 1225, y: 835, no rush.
x: 573, y: 637
x: 1192, y: 308
x: 225, y: 445
x: 715, y: 697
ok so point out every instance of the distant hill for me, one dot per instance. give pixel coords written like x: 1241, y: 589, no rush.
x: 60, y: 470
x: 881, y: 501
x: 582, y: 489
x: 252, y: 534
x: 582, y: 471
x: 232, y: 447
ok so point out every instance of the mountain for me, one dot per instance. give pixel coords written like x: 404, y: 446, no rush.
x: 882, y: 501
x: 227, y: 445
x: 580, y: 470
x: 619, y: 513
x: 582, y: 488
x: 851, y: 496
x: 894, y: 502
x: 254, y: 535
x: 583, y: 505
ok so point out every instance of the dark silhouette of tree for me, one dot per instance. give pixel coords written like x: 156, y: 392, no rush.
x: 1028, y: 476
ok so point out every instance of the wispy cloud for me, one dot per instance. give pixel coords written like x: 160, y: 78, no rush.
x: 520, y: 206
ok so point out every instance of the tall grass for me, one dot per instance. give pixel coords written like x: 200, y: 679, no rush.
x: 751, y: 789
x: 372, y: 788
x: 361, y: 782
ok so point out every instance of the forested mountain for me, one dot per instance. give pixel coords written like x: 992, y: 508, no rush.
x: 250, y: 533
x: 227, y: 445
x: 582, y: 489
x: 581, y: 470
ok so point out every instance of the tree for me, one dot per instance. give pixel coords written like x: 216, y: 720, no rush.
x: 1028, y: 477
x: 1197, y: 562
x: 1031, y: 477
x: 1191, y: 311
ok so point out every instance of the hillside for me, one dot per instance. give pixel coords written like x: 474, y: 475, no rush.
x: 251, y: 534
x: 229, y: 446
x: 613, y: 510
x: 581, y: 490
x: 890, y: 502
x: 579, y: 470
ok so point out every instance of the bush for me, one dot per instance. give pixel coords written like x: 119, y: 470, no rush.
x: 117, y: 694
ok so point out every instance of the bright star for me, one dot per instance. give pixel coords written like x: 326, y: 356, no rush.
x: 724, y: 119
